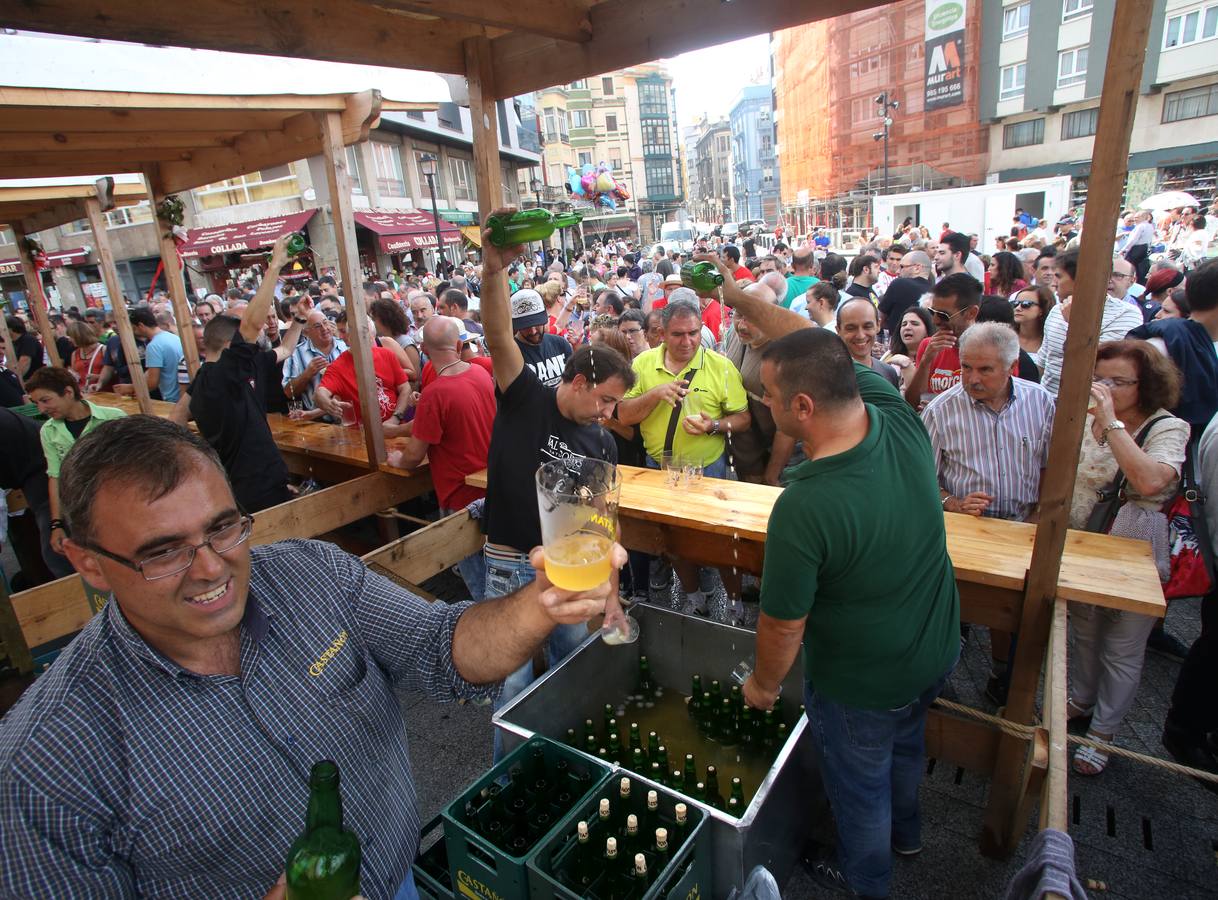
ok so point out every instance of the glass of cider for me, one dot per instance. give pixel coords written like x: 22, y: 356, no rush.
x: 577, y: 500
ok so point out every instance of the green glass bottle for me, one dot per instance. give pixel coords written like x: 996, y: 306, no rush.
x: 657, y: 774
x: 636, y: 739
x: 690, y: 775
x: 651, y: 818
x: 297, y: 244
x: 602, y: 753
x: 725, y: 725
x: 737, y: 790
x: 700, y: 791
x: 769, y: 730
x: 604, y: 820
x: 324, y: 862
x: 646, y: 685
x: 716, y: 692
x: 660, y: 849
x: 735, y: 808
x: 582, y: 868
x: 591, y: 744
x: 681, y: 814
x: 589, y: 729
x: 572, y: 738
x: 713, y: 796
x: 695, y: 695
x: 747, y: 727
x: 607, y: 717
x: 653, y: 744
x: 677, y: 781
x: 641, y: 877
x: 526, y: 225
x: 737, y: 698
x: 662, y: 757
x: 703, y: 277
x: 638, y: 761
x: 630, y: 836
x: 615, y: 747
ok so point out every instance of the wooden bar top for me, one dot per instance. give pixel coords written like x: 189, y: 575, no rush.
x: 1096, y: 568
x: 129, y: 405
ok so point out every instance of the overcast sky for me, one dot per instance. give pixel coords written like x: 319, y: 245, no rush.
x: 707, y: 81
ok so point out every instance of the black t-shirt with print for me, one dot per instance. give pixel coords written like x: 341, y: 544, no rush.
x: 529, y: 430
x: 547, y: 359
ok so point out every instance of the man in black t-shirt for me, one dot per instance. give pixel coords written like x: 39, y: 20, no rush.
x: 23, y: 466
x: 27, y: 347
x: 546, y: 354
x: 534, y: 424
x: 227, y: 399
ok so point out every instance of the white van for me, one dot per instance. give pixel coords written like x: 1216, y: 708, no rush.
x: 678, y: 236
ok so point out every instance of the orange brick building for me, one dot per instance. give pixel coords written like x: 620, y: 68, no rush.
x: 827, y: 75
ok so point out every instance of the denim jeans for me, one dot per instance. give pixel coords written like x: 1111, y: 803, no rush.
x: 717, y: 469
x: 407, y: 889
x: 472, y: 569
x: 871, y: 763
x: 502, y: 578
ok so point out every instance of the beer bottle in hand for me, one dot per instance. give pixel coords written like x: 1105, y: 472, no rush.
x: 324, y: 862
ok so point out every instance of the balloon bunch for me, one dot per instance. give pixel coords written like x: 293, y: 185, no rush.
x: 596, y: 185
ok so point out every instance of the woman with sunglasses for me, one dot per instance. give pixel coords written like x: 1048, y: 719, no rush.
x: 1031, y: 305
x: 1133, y: 387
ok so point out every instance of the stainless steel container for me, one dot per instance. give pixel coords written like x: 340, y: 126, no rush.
x: 790, y: 799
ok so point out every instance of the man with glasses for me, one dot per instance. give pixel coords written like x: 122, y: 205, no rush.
x: 953, y: 306
x: 303, y: 369
x: 165, y: 750
x: 633, y: 326
x: 904, y: 291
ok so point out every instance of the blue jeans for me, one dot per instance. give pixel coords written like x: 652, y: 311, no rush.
x: 407, y: 890
x: 503, y: 577
x: 871, y: 762
x: 717, y: 469
x: 472, y: 569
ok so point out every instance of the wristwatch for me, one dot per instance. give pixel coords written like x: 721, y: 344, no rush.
x: 1114, y: 425
x: 945, y: 499
x: 714, y: 429
x: 299, y: 321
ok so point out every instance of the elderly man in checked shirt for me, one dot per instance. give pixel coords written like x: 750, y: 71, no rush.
x: 166, y: 752
x: 990, y: 436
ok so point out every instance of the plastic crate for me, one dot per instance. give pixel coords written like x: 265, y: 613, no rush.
x: 30, y: 410
x: 431, y: 875
x: 486, y: 869
x: 687, y: 874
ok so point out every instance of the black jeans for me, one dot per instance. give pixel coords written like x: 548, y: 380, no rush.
x: 39, y: 502
x: 1194, y: 702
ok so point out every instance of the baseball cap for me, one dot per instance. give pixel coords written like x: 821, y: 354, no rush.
x: 528, y: 309
x: 1162, y: 279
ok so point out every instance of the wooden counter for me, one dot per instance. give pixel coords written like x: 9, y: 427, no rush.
x: 129, y: 405
x: 717, y: 522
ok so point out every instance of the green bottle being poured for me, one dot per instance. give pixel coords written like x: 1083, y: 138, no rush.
x: 297, y: 244
x: 324, y: 862
x: 527, y: 225
x: 703, y: 277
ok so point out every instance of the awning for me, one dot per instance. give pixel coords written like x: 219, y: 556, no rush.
x: 406, y: 229
x: 241, y: 235
x: 56, y: 259
x: 473, y: 234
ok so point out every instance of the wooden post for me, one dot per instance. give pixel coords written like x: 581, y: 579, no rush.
x: 37, y: 301
x: 10, y: 352
x: 484, y: 117
x: 1053, y: 801
x: 173, y: 271
x: 114, y: 287
x: 339, y: 180
x: 12, y: 639
x: 1105, y: 190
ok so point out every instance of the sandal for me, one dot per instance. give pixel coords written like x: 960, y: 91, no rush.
x: 1090, y: 760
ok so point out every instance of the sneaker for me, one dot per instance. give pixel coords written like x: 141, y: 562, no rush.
x: 1192, y: 753
x: 695, y: 604
x: 908, y: 853
x: 1166, y: 644
x: 822, y: 866
x: 707, y: 580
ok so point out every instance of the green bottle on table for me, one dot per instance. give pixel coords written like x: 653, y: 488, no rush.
x: 527, y: 225
x: 324, y: 862
x: 703, y: 277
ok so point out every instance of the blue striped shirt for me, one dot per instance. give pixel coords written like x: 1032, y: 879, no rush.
x: 123, y: 774
x: 998, y: 453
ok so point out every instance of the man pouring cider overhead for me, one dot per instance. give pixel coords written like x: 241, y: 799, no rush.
x: 171, y: 748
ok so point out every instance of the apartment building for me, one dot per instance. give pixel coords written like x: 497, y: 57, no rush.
x: 755, y: 176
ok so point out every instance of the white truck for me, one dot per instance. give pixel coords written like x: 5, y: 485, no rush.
x: 985, y: 210
x: 679, y: 236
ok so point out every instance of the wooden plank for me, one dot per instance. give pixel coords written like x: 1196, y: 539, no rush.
x: 59, y: 141
x: 130, y: 405
x: 12, y: 640
x: 36, y: 298
x: 339, y: 180
x: 57, y: 118
x: 1109, y: 164
x: 124, y: 102
x: 484, y: 118
x: 958, y: 741
x: 560, y: 19
x: 172, y: 270
x: 51, y: 611
x: 1055, y: 796
x: 430, y: 550
x: 40, y: 194
x: 114, y: 287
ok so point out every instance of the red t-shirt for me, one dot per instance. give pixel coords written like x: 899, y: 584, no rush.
x: 742, y: 274
x: 339, y: 380
x: 429, y: 370
x: 944, y: 371
x: 712, y: 318
x: 454, y: 417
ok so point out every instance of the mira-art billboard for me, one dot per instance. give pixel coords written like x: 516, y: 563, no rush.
x: 944, y: 53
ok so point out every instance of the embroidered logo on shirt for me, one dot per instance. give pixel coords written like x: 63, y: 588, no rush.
x: 328, y: 654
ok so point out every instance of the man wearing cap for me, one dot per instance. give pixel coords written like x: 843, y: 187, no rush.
x: 671, y: 283
x: 1161, y: 282
x: 546, y: 354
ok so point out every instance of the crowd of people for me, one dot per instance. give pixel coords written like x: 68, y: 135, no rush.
x: 918, y: 376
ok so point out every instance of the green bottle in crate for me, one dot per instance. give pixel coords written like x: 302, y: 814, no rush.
x: 659, y: 849
x: 630, y: 837
x: 604, y: 819
x: 737, y: 791
x: 636, y: 740
x: 646, y: 686
x: 657, y: 774
x: 662, y: 756
x: 607, y: 718
x: 690, y: 775
x: 638, y: 760
x: 582, y: 867
x: 622, y: 807
x: 695, y: 694
x: 725, y: 724
x: 653, y: 744
x: 324, y: 862
x: 747, y: 727
x: 713, y: 797
x: 616, y: 753
x: 651, y: 818
x: 700, y: 791
x: 681, y: 814
x: 640, y: 875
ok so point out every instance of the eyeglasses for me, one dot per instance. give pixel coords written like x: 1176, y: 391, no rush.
x: 942, y: 317
x: 1115, y: 382
x: 179, y: 559
x: 1024, y: 304
x: 630, y: 331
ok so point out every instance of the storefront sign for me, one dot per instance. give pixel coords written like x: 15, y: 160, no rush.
x: 945, y: 21
x: 240, y: 236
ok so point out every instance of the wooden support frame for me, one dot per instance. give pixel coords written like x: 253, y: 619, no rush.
x: 430, y: 550
x: 39, y: 308
x: 114, y: 287
x: 1109, y: 167
x: 172, y: 266
x: 1054, y: 799
x: 343, y: 215
x: 484, y: 119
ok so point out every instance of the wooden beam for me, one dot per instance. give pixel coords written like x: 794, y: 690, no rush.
x: 1055, y: 796
x: 339, y: 180
x: 360, y: 115
x: 173, y: 270
x: 340, y: 30
x: 12, y: 640
x: 50, y: 217
x: 430, y: 550
x: 58, y: 119
x: 120, y: 102
x: 37, y: 299
x: 657, y: 29
x: 39, y: 194
x: 1106, y: 188
x: 138, y: 141
x: 967, y: 743
x: 58, y: 609
x: 114, y: 287
x: 560, y: 19
x: 484, y: 119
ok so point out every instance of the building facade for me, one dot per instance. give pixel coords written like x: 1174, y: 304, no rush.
x: 712, y: 164
x: 755, y: 176
x: 386, y: 176
x: 827, y: 76
x: 1043, y: 71
x: 627, y: 120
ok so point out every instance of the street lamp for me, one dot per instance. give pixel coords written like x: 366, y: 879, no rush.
x: 427, y: 165
x: 535, y: 186
x: 885, y: 105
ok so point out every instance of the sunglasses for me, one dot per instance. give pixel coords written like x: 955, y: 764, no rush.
x: 940, y: 316
x: 1024, y: 304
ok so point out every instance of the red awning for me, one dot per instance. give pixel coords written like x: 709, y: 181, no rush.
x: 56, y: 259
x: 406, y: 229
x: 241, y: 235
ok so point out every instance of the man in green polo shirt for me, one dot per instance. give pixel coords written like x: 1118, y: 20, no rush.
x: 856, y: 568
x: 686, y: 400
